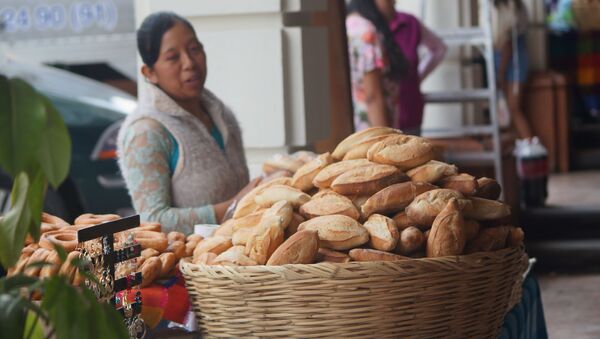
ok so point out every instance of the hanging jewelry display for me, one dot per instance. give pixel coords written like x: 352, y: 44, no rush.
x: 97, y: 245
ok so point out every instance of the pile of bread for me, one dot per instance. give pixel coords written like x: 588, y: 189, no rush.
x: 380, y: 196
x: 159, y: 257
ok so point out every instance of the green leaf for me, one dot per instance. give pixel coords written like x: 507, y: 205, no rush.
x: 54, y: 153
x: 12, y: 315
x: 33, y: 326
x: 16, y: 282
x: 62, y: 254
x: 22, y: 121
x: 35, y: 203
x: 14, y: 225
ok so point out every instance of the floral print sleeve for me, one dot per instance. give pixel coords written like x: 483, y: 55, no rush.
x: 145, y: 163
x: 366, y: 54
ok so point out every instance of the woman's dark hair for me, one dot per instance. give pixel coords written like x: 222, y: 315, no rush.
x: 150, y: 34
x: 368, y: 10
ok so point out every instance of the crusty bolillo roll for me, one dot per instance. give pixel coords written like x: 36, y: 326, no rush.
x: 276, y: 193
x: 428, y: 205
x: 247, y: 221
x: 327, y: 255
x: 265, y: 239
x: 216, y: 244
x: 447, y: 235
x: 403, y: 151
x: 338, y: 232
x: 328, y: 203
x: 394, y: 198
x: 411, y: 241
x: 282, y: 162
x: 367, y: 180
x: 367, y: 254
x: 300, y: 248
x: 292, y: 228
x: 403, y: 221
x: 240, y: 237
x: 485, y: 209
x: 383, y: 233
x: 226, y: 229
x: 472, y: 228
x: 464, y: 183
x: 234, y: 256
x: 326, y: 176
x: 488, y: 189
x: 359, y: 150
x: 347, y: 144
x: 303, y: 178
x: 431, y: 171
x: 488, y: 239
x: 282, y: 209
x: 247, y: 205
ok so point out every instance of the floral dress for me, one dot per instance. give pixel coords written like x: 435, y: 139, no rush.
x: 367, y: 54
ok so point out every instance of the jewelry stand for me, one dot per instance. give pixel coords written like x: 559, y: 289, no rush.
x: 108, y: 259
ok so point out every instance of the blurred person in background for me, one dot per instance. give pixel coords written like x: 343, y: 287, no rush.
x: 509, y: 28
x: 385, y: 65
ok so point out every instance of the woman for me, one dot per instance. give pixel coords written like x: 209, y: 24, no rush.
x: 181, y: 151
x: 385, y: 64
x: 509, y: 26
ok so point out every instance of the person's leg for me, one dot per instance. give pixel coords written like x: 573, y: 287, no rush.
x: 514, y: 100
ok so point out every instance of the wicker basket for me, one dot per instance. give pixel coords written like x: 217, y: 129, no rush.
x: 462, y: 297
x: 587, y: 14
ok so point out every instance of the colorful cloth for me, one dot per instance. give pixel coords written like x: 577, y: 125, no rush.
x: 367, y: 54
x: 409, y: 109
x: 165, y: 300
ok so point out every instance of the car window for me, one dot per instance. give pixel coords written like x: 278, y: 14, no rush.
x: 76, y: 113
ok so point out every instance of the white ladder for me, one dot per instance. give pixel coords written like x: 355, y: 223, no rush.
x: 480, y: 37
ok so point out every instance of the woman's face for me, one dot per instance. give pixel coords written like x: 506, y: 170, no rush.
x: 180, y: 70
x: 386, y: 7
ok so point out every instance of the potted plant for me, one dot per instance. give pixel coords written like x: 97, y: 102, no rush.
x: 35, y: 150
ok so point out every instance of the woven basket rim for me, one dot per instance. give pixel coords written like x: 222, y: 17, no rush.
x: 340, y: 270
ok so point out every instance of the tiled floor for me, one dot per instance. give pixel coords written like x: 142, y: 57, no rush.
x: 574, y: 189
x: 571, y: 305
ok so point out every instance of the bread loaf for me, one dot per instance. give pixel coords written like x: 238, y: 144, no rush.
x: 234, y: 256
x: 367, y: 180
x: 352, y: 140
x: 247, y: 205
x: 403, y: 221
x: 485, y: 209
x: 217, y: 245
x: 394, y: 198
x: 329, y: 203
x: 326, y: 176
x: 327, y: 255
x: 276, y: 193
x: 431, y: 171
x: 516, y: 236
x: 304, y: 176
x: 247, y: 221
x: 447, y: 236
x: 265, y: 239
x: 282, y: 162
x: 365, y: 254
x: 488, y: 239
x: 428, y: 205
x: 383, y: 233
x: 297, y: 219
x: 411, y: 241
x: 281, y: 209
x: 472, y: 228
x: 168, y: 261
x: 338, y: 232
x: 488, y: 189
x: 240, y: 237
x: 300, y: 248
x: 403, y: 151
x: 226, y: 228
x: 359, y: 151
x: 150, y: 271
x: 464, y: 183
x: 205, y: 258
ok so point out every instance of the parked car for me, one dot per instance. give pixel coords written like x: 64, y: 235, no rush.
x: 93, y: 113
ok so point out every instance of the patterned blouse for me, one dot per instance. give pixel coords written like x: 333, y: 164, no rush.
x: 367, y: 54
